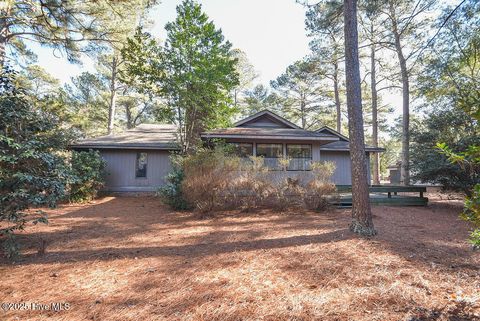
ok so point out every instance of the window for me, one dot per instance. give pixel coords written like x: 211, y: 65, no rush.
x: 300, y: 157
x: 242, y: 150
x: 141, y: 165
x: 271, y: 154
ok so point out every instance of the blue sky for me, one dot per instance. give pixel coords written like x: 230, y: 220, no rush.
x: 271, y: 32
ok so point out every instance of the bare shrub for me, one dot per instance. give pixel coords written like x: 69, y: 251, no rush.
x: 250, y: 187
x: 288, y: 193
x: 207, y: 175
x: 320, y: 187
x: 214, y: 180
x: 256, y: 187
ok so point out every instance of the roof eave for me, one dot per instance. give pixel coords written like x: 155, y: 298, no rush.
x: 375, y: 150
x: 121, y: 146
x: 333, y: 132
x: 269, y: 137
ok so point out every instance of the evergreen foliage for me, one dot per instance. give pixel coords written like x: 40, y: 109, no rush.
x: 172, y: 194
x: 32, y: 170
x: 35, y: 170
x: 195, y: 72
x: 88, y: 175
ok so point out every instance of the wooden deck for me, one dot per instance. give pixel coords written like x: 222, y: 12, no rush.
x: 385, y: 195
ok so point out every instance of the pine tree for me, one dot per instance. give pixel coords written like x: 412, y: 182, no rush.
x: 362, y: 222
x: 67, y: 26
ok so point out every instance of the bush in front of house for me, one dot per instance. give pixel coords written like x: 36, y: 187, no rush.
x: 251, y: 187
x: 87, y: 175
x: 172, y: 193
x: 213, y: 180
x: 207, y: 175
x: 312, y: 190
x: 320, y: 186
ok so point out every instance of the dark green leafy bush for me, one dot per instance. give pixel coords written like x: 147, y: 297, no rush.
x: 33, y: 171
x: 471, y: 213
x: 469, y: 160
x: 87, y: 175
x: 460, y: 131
x: 171, y: 193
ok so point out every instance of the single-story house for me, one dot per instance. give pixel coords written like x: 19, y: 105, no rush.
x: 138, y: 159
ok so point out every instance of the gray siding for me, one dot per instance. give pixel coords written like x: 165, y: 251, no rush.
x: 342, y: 174
x: 121, y: 170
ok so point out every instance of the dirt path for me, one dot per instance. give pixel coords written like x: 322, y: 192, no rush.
x: 133, y: 259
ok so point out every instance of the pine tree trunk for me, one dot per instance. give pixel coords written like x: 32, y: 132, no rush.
x: 113, y: 97
x: 129, y: 117
x: 362, y: 222
x: 2, y: 52
x: 3, y: 38
x: 373, y: 86
x: 302, y: 111
x: 180, y: 129
x: 5, y: 14
x: 337, y: 97
x: 405, y: 167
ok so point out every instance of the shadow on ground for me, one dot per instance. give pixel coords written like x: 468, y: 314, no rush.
x: 281, y: 266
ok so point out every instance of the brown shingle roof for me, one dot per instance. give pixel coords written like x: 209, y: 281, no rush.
x: 267, y: 133
x: 144, y: 136
x: 345, y: 146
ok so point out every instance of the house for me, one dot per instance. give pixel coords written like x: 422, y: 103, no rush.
x: 138, y: 159
x: 339, y: 153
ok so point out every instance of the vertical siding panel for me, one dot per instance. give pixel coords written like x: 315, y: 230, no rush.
x: 342, y: 174
x: 121, y: 170
x: 315, y: 152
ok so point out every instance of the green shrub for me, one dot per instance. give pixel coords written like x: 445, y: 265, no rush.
x: 471, y: 213
x: 171, y: 193
x: 87, y: 175
x: 470, y: 163
x: 429, y: 166
x: 33, y: 171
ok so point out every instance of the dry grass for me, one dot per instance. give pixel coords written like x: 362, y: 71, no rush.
x: 132, y: 259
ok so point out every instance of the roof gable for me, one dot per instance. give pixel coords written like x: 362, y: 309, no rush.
x: 266, y: 119
x: 328, y: 130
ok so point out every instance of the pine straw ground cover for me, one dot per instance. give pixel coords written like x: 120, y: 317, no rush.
x: 133, y: 259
